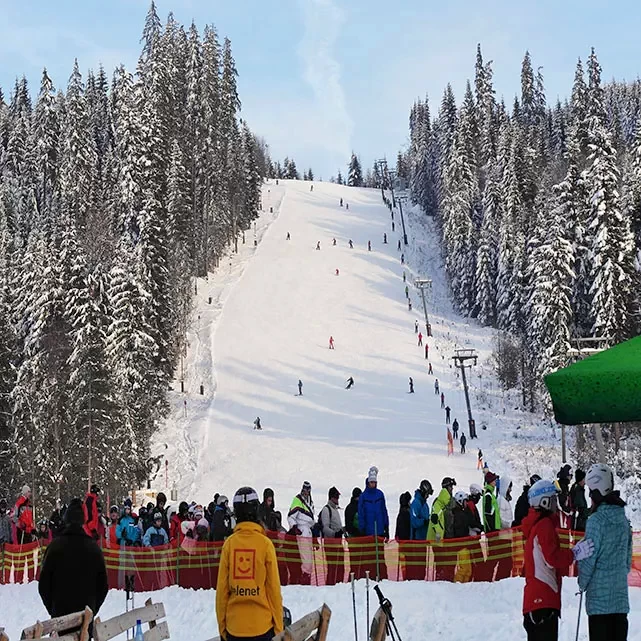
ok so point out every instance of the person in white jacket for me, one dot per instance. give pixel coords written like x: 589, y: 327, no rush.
x: 330, y: 520
x: 504, y: 566
x: 301, y: 521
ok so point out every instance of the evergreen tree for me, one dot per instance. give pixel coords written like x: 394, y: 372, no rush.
x: 355, y: 174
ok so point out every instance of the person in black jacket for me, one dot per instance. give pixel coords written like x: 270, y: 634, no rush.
x: 522, y: 506
x: 403, y: 527
x: 267, y: 514
x: 222, y: 526
x: 161, y: 506
x: 351, y: 514
x: 73, y: 570
x: 578, y: 504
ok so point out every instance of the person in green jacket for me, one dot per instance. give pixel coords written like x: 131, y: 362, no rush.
x: 491, y: 523
x: 440, y: 528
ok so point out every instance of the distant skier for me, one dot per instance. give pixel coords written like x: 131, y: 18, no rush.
x: 351, y: 244
x: 337, y: 272
x: 384, y: 239
x: 447, y: 415
x: 288, y: 236
x: 346, y: 205
x: 399, y: 244
x: 455, y: 427
x: 331, y: 342
x: 392, y: 226
x: 318, y: 245
x: 350, y: 383
x: 257, y: 425
x: 300, y: 387
x: 402, y: 259
x: 311, y: 188
x: 407, y: 292
x: 436, y: 390
x: 479, y: 462
x: 429, y: 369
x: 404, y: 279
x: 369, y: 245
x: 341, y: 202
x: 416, y: 327
x: 411, y: 385
x: 409, y: 304
x: 420, y: 339
x: 463, y: 442
x: 442, y: 401
x: 334, y: 242
x: 427, y: 351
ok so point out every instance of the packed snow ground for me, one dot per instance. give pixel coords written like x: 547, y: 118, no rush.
x: 423, y: 611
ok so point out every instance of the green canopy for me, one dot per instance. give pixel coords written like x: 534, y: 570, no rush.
x: 603, y: 388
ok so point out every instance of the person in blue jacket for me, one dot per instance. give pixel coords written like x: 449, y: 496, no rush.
x: 156, y: 534
x: 420, y: 511
x: 373, y: 521
x: 603, y: 575
x: 372, y: 511
x: 127, y: 530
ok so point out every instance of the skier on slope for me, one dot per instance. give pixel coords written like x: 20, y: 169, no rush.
x: 455, y: 427
x: 448, y: 409
x: 415, y: 325
x: 300, y: 387
x: 288, y: 236
x: 399, y: 244
x: 337, y: 272
x: 257, y: 425
x: 402, y: 258
x: 420, y: 336
x: 331, y: 342
x: 429, y: 369
x: 436, y: 386
x: 350, y: 383
x: 411, y: 386
x: 333, y: 242
x: 442, y: 400
x: 384, y: 239
x: 351, y: 244
x: 407, y: 292
x: 341, y: 202
x: 369, y: 245
x: 603, y: 576
x: 346, y: 205
x: 545, y: 562
x: 403, y: 527
x: 409, y: 304
x: 318, y: 245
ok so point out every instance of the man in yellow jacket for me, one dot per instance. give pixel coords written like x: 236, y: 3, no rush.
x: 441, y: 528
x: 249, y: 605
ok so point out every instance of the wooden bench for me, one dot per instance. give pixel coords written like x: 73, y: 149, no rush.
x: 52, y: 627
x: 105, y: 630
x: 312, y: 627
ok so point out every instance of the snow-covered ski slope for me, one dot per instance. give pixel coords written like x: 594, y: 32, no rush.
x: 273, y: 311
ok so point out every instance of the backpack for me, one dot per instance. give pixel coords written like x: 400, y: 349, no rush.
x: 317, y: 528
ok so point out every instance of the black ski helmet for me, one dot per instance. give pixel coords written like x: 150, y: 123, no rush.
x: 448, y: 481
x: 94, y: 489
x: 246, y: 504
x: 425, y: 488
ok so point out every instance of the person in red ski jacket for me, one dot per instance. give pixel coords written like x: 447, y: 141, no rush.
x: 23, y: 517
x: 111, y: 538
x: 545, y: 561
x: 175, y: 530
x: 92, y: 515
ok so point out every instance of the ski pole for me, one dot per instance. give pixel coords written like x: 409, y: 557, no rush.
x: 367, y: 600
x: 354, y: 607
x: 578, y: 623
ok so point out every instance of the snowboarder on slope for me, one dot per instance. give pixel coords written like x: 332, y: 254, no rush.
x: 350, y: 383
x: 603, y: 575
x: 420, y: 339
x: 331, y: 342
x: 411, y: 386
x: 257, y: 425
x: 300, y: 387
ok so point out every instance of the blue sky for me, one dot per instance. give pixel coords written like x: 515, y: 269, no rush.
x: 319, y: 78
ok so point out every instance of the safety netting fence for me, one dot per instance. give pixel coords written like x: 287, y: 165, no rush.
x: 301, y: 560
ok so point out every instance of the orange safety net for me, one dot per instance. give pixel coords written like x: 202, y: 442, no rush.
x: 492, y: 557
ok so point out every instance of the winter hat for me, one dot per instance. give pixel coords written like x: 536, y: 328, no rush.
x: 267, y: 493
x: 114, y: 508
x: 356, y: 492
x: 333, y: 493
x: 307, y: 486
x: 127, y: 502
x: 25, y: 490
x: 475, y: 489
x: 490, y: 477
x: 157, y: 516
x: 372, y: 474
x: 579, y: 475
x: 161, y: 498
x: 74, y: 514
x: 222, y: 499
x: 534, y: 479
x: 203, y: 522
x: 404, y: 499
x: 564, y: 472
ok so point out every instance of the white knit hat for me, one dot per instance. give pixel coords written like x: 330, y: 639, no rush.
x: 372, y: 475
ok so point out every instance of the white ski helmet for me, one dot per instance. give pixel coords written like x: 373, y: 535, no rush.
x: 475, y: 488
x: 461, y: 496
x: 600, y: 478
x: 542, y: 495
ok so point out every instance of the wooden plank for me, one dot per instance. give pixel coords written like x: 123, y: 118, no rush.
x: 301, y: 629
x: 152, y: 624
x: 45, y: 628
x: 86, y: 622
x: 159, y: 632
x: 105, y: 630
x: 3, y: 636
x: 325, y: 616
x: 378, y: 629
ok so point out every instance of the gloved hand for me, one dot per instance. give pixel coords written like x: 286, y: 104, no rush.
x: 434, y: 519
x: 583, y: 549
x: 438, y: 537
x: 338, y: 534
x: 297, y: 531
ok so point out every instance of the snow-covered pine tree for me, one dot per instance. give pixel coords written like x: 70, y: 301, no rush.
x: 355, y: 174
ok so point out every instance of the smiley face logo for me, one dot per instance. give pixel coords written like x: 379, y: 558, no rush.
x: 244, y: 564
